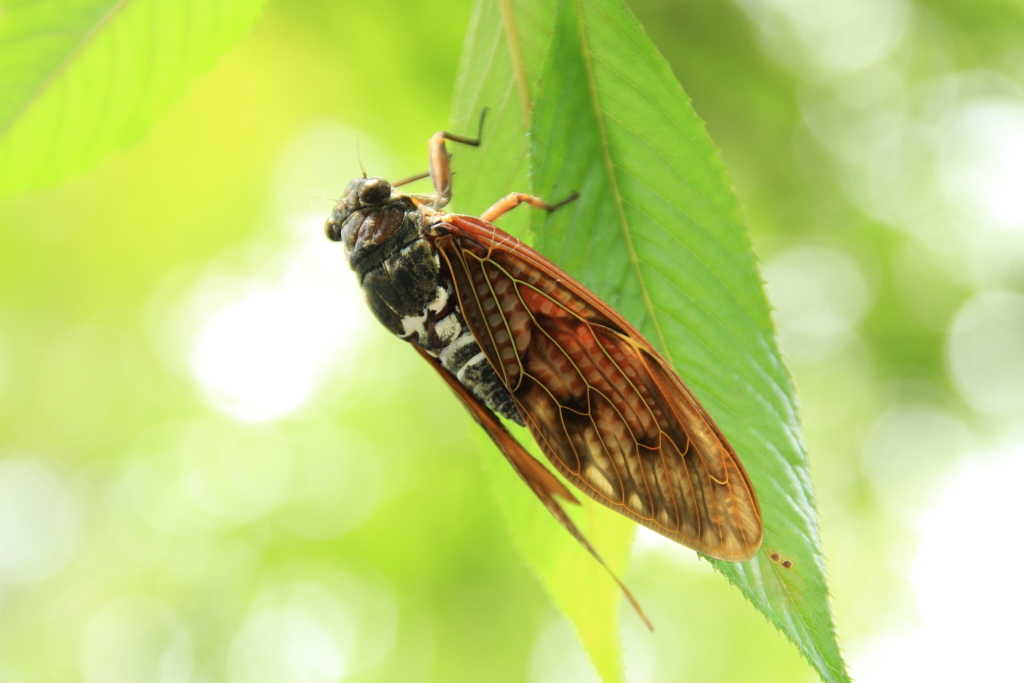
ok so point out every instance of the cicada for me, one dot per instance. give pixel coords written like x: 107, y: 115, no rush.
x: 516, y: 337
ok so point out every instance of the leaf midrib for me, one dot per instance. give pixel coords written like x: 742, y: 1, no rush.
x: 613, y: 182
x: 790, y: 604
x: 518, y: 64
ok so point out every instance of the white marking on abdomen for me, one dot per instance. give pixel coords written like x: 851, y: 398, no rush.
x: 439, y: 302
x: 448, y: 328
x: 447, y: 351
x: 413, y: 324
x: 472, y: 361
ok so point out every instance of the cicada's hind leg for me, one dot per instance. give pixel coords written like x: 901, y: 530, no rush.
x: 506, y: 204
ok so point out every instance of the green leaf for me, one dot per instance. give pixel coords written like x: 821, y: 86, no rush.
x: 504, y: 53
x: 503, y: 57
x: 658, y: 233
x: 81, y: 78
x: 579, y: 586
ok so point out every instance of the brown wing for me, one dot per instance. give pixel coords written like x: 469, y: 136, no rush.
x: 609, y: 412
x: 546, y: 485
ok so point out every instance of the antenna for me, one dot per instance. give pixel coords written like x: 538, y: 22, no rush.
x: 359, y: 158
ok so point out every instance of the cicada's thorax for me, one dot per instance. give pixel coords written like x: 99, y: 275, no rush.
x: 406, y: 286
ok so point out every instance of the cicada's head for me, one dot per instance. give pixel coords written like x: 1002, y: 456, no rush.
x: 367, y: 219
x: 361, y: 194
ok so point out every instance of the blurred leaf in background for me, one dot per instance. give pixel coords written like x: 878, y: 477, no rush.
x: 214, y: 466
x: 79, y: 78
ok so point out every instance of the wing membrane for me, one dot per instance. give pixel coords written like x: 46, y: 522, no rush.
x: 610, y: 413
x: 545, y: 485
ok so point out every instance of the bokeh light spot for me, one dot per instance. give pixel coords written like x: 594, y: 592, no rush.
x: 968, y: 628
x: 314, y: 631
x: 986, y: 352
x: 831, y: 38
x: 820, y: 295
x: 290, y: 645
x: 906, y: 447
x: 260, y: 354
x: 206, y: 473
x: 263, y: 352
x: 981, y: 157
x: 558, y: 656
x: 37, y: 521
x: 134, y: 638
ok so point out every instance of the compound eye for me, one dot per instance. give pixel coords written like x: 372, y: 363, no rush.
x: 374, y: 191
x: 332, y: 229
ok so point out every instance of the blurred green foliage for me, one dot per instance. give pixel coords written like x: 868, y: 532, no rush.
x: 116, y: 65
x: 161, y: 521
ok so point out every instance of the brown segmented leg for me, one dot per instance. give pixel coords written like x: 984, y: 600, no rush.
x: 441, y: 161
x: 506, y: 204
